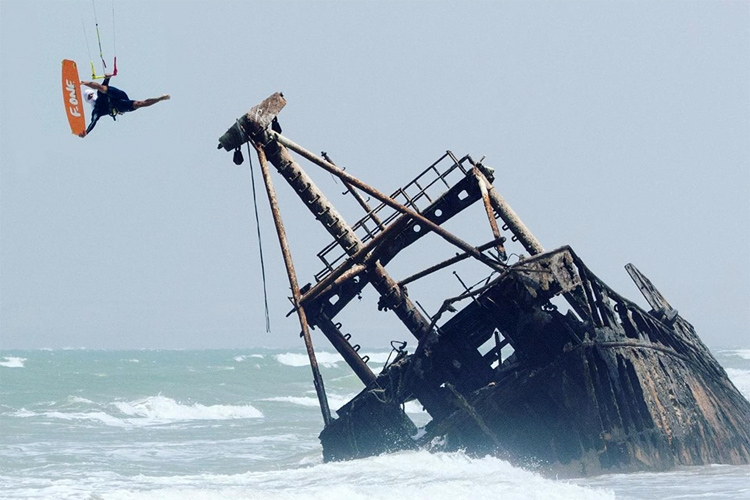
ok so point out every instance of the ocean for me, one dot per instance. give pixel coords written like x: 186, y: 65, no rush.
x: 243, y: 424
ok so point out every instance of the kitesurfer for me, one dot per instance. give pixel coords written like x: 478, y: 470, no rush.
x: 109, y: 100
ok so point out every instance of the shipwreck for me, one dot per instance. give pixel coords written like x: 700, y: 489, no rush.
x: 540, y: 363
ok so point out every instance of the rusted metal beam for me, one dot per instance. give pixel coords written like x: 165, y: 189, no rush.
x: 652, y: 295
x: 484, y: 186
x: 343, y: 347
x: 289, y: 263
x: 443, y: 233
x: 253, y: 123
x: 341, y: 274
x: 362, y: 202
x: 447, y: 262
x: 393, y: 297
x: 514, y: 223
x: 364, y: 256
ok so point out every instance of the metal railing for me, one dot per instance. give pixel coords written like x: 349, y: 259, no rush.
x: 417, y: 195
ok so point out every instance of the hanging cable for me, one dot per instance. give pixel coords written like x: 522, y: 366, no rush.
x: 238, y: 160
x: 88, y: 47
x: 114, y: 41
x: 99, y: 39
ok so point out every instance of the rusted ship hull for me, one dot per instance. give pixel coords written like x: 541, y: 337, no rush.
x: 618, y: 389
x: 605, y: 408
x: 594, y: 383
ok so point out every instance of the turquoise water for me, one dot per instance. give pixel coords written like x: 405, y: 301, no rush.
x: 82, y: 424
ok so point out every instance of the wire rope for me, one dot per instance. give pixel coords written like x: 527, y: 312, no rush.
x: 257, y: 226
x: 114, y: 40
x: 99, y: 38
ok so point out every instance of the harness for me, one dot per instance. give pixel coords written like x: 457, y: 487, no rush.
x: 113, y: 111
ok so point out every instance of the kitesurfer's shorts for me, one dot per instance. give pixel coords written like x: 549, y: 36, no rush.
x: 119, y: 100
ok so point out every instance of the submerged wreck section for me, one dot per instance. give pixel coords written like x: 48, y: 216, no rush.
x: 541, y: 362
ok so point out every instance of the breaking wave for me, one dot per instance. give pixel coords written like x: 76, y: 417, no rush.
x: 414, y: 475
x: 326, y: 359
x: 164, y: 409
x: 242, y: 357
x: 742, y: 353
x: 12, y: 362
x: 156, y: 410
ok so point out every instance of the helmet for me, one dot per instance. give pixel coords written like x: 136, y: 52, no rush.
x: 89, y: 95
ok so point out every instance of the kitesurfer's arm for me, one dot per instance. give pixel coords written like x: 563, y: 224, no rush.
x: 101, y: 87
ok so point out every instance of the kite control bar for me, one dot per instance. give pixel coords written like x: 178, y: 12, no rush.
x: 94, y: 76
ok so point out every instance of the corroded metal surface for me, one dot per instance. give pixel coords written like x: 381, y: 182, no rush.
x: 593, y: 383
x: 293, y: 284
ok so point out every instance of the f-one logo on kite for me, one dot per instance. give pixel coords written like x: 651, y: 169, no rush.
x: 72, y: 99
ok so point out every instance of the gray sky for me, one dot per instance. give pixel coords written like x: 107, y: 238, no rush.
x: 620, y: 128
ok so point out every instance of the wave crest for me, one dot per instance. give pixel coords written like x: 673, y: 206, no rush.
x: 12, y: 362
x: 326, y: 359
x: 161, y: 408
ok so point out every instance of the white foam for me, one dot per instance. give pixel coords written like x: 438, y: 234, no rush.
x: 413, y: 475
x: 90, y: 416
x: 378, y: 357
x: 78, y: 399
x: 160, y: 409
x: 741, y: 380
x: 12, y: 362
x: 326, y: 359
x: 301, y: 401
x: 157, y: 410
x: 23, y: 413
x: 742, y: 353
x: 333, y: 401
x: 242, y: 357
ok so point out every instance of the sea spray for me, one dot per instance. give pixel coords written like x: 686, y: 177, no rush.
x: 117, y: 425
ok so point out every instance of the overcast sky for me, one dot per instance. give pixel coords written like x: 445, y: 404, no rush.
x: 620, y: 128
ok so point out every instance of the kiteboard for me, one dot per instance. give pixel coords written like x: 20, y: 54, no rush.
x: 71, y: 89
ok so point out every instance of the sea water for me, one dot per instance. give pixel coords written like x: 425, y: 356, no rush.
x: 243, y: 424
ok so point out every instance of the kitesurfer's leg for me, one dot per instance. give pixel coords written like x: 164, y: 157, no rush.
x: 149, y: 102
